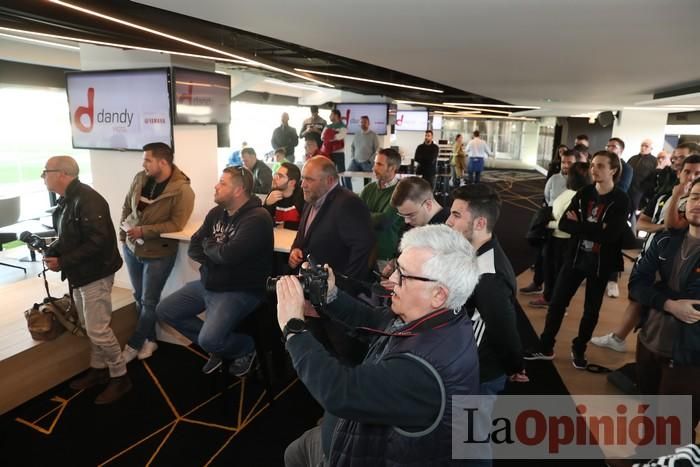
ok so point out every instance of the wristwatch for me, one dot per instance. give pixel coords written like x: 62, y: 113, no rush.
x: 293, y: 326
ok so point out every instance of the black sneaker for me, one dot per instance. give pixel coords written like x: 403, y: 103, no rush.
x: 212, y: 364
x: 538, y: 355
x: 532, y: 289
x: 242, y: 365
x: 578, y: 359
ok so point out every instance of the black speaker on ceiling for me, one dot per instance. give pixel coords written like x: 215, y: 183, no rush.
x: 606, y: 118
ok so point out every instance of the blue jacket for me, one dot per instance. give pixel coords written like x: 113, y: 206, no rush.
x: 394, y: 408
x: 645, y: 289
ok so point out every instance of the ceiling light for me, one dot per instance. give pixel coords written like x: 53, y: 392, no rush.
x: 466, y: 107
x: 185, y: 41
x: 38, y: 41
x: 291, y: 85
x: 500, y: 106
x: 124, y: 46
x: 433, y: 105
x: 367, y: 80
x: 666, y: 108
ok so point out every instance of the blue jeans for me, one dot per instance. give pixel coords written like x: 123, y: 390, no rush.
x: 474, y: 168
x: 148, y: 276
x: 225, y: 311
x: 356, y: 166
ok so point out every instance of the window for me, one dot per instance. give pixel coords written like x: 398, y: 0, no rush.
x: 35, y: 126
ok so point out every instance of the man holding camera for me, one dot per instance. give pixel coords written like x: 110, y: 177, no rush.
x: 86, y: 254
x: 394, y: 408
x: 234, y: 248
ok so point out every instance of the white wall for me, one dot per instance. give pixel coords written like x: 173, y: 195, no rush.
x: 634, y: 126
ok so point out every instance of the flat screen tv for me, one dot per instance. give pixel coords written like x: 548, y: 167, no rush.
x: 201, y: 97
x: 411, y: 120
x: 377, y: 113
x: 119, y: 109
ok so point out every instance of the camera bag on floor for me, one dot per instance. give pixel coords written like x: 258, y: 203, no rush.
x: 49, y: 319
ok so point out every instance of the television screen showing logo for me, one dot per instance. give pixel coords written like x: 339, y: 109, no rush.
x: 201, y: 97
x: 411, y: 120
x: 122, y: 110
x: 352, y: 113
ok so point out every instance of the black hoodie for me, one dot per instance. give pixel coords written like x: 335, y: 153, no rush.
x: 235, y: 252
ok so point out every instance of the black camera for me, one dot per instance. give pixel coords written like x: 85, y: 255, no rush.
x: 37, y: 243
x: 314, y: 281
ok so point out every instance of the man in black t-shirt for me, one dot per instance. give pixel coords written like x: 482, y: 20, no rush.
x: 426, y: 158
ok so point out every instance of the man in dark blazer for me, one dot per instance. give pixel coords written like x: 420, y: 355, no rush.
x: 335, y: 229
x: 335, y: 226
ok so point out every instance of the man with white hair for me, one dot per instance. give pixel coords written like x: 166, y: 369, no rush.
x: 394, y: 408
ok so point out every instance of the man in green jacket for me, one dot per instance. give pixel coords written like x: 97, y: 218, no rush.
x: 377, y: 196
x: 159, y: 201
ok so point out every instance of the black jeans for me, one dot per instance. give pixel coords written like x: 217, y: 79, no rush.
x: 554, y: 252
x: 567, y: 284
x: 338, y: 159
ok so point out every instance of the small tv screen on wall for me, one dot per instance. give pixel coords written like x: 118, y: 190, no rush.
x: 201, y: 97
x: 119, y: 109
x: 351, y: 114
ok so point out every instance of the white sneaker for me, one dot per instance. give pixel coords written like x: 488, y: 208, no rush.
x: 610, y: 341
x: 147, y: 349
x: 613, y: 289
x: 129, y: 353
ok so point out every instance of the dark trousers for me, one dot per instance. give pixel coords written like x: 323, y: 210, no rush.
x: 566, y: 286
x: 538, y: 276
x: 657, y: 376
x: 553, y: 260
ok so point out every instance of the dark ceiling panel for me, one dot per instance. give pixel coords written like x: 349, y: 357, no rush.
x: 42, y: 16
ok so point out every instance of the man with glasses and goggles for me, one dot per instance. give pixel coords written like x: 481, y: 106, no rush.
x: 395, y: 407
x: 414, y: 202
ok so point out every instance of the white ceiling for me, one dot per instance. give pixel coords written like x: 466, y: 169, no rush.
x: 567, y: 56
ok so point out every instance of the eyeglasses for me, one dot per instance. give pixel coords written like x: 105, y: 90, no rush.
x: 45, y: 171
x: 403, y: 276
x: 414, y: 213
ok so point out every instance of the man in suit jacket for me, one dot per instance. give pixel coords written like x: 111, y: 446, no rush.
x: 335, y: 229
x: 335, y: 226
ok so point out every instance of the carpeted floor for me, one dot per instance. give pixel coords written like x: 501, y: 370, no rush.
x: 177, y: 416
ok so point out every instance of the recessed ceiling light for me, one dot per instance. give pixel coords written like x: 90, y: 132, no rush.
x: 123, y: 46
x: 39, y: 41
x: 185, y: 41
x: 367, y: 80
x: 498, y: 106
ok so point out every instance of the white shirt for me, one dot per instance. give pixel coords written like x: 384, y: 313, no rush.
x: 478, y: 148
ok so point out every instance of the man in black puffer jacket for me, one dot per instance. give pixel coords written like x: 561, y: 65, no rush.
x: 86, y: 254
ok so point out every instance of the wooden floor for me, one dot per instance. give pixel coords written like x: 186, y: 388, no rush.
x: 29, y: 367
x: 577, y: 381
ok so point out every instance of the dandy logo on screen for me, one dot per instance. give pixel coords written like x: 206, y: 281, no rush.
x: 88, y: 112
x: 84, y: 117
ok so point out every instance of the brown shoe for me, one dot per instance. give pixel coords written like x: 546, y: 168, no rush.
x: 116, y: 388
x: 93, y: 377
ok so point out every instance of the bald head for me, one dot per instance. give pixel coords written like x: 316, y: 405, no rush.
x: 318, y: 176
x: 646, y: 147
x: 59, y: 172
x: 65, y: 164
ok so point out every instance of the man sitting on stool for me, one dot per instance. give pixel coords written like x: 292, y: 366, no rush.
x: 234, y: 247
